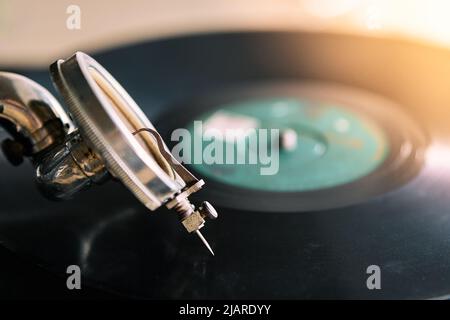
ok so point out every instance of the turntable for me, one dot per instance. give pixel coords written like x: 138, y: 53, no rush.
x: 363, y: 179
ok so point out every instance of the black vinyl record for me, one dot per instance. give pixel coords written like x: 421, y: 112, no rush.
x: 407, y: 142
x: 296, y: 244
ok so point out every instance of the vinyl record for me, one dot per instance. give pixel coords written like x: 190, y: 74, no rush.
x: 368, y: 185
x: 351, y: 145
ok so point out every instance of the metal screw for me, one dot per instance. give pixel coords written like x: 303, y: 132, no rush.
x: 207, y: 210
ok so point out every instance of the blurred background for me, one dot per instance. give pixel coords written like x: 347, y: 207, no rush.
x: 35, y: 33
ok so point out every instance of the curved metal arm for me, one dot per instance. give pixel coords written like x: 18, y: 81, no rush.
x: 67, y: 160
x: 31, y: 114
x: 43, y: 131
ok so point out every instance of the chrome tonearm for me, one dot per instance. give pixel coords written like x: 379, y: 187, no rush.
x: 109, y: 136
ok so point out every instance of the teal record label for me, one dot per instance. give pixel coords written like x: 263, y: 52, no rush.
x: 321, y: 145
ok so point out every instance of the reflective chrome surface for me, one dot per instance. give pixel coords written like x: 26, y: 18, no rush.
x: 114, y: 126
x: 69, y: 168
x: 42, y: 130
x: 31, y: 113
x: 107, y: 117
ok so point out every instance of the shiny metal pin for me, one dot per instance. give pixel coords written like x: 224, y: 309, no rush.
x: 204, y: 241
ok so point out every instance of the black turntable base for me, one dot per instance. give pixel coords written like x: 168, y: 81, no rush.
x: 313, y: 239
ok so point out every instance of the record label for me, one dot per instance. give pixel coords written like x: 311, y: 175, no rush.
x: 329, y: 145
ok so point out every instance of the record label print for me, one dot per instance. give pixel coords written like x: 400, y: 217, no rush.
x: 330, y: 146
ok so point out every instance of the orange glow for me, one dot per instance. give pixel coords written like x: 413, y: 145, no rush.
x: 424, y: 19
x: 328, y: 9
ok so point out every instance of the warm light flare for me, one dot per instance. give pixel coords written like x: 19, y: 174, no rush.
x: 438, y: 156
x: 328, y: 9
x: 424, y: 19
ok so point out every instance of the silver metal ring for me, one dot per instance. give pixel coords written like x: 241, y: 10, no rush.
x: 107, y: 116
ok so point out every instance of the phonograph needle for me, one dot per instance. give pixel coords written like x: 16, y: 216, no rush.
x: 204, y: 241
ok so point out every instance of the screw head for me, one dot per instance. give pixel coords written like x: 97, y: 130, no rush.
x: 207, y: 210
